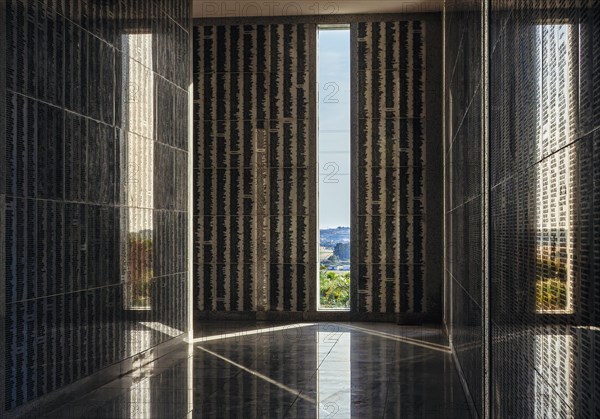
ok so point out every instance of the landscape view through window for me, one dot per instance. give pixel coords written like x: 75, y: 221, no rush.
x: 334, y: 166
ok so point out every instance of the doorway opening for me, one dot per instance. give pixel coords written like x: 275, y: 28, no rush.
x: 333, y: 137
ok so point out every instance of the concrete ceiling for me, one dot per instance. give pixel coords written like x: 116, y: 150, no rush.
x: 240, y: 8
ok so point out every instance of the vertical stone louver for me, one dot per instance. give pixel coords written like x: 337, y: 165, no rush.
x: 389, y: 229
x: 255, y: 200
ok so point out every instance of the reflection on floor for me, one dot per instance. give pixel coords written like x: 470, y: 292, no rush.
x: 302, y: 370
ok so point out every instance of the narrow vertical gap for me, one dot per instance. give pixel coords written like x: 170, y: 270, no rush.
x: 4, y: 27
x: 334, y: 166
x: 485, y: 228
x: 446, y: 288
x: 190, y: 286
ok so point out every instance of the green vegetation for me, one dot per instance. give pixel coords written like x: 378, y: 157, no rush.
x: 551, y: 294
x: 551, y: 268
x: 551, y: 285
x: 140, y: 270
x: 334, y: 289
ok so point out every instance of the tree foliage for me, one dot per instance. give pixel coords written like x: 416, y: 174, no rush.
x: 140, y: 270
x: 335, y: 289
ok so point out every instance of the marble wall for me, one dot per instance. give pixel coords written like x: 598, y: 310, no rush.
x: 545, y: 203
x: 464, y: 190
x: 543, y: 217
x: 255, y: 165
x: 94, y: 189
x: 389, y: 224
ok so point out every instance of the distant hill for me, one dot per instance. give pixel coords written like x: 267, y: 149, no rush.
x: 332, y: 236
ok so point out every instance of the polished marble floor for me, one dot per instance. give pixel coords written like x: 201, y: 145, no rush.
x: 297, y: 370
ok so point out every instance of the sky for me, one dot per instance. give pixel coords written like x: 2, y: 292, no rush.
x: 333, y: 78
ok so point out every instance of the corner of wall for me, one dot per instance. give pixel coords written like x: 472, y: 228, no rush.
x: 3, y: 29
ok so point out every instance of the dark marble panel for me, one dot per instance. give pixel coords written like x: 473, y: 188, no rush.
x: 253, y: 158
x: 96, y: 191
x: 288, y: 286
x: 589, y: 70
x: 464, y: 58
x: 164, y: 166
x: 227, y: 245
x: 290, y: 143
x: 464, y: 253
x: 165, y: 104
x: 390, y: 225
x: 522, y: 242
x: 464, y: 183
x: 67, y: 337
x: 259, y: 85
x: 21, y: 124
x: 216, y: 200
x: 289, y: 192
x: 543, y: 149
x: 396, y: 191
x: 289, y: 242
x: 467, y: 336
x: 22, y: 47
x: 181, y: 179
x: 392, y: 142
x: 392, y: 295
x: 50, y: 155
x: 50, y: 59
x: 235, y: 143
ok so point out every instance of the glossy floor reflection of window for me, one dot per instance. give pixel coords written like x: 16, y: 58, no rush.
x: 553, y: 362
x: 140, y: 397
x: 334, y: 377
x: 256, y: 369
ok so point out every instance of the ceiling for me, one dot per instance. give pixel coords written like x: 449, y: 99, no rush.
x: 241, y: 8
